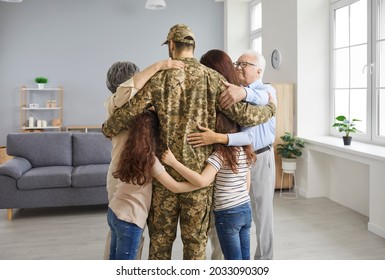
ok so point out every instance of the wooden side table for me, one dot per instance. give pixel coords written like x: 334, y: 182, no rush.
x: 3, y: 155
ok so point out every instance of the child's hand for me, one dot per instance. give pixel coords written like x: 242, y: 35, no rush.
x: 168, y: 157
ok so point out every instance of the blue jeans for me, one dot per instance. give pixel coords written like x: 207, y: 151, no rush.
x: 125, y: 238
x: 233, y: 229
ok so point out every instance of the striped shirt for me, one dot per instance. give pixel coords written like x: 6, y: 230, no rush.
x: 230, y: 188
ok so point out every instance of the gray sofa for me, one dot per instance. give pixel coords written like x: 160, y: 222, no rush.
x: 53, y: 169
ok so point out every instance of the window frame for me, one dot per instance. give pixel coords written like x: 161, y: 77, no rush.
x: 375, y: 63
x: 372, y: 113
x: 254, y: 33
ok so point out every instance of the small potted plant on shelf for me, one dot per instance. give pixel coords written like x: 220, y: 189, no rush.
x: 41, y: 81
x: 347, y: 126
x: 290, y: 149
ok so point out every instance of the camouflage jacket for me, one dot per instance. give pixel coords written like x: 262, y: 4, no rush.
x: 184, y: 98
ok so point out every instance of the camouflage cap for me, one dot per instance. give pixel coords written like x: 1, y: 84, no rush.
x: 180, y: 33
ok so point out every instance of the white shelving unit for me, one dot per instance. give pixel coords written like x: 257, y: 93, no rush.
x: 41, y: 109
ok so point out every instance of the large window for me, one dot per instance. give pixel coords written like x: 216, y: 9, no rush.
x: 357, y: 49
x: 256, y: 25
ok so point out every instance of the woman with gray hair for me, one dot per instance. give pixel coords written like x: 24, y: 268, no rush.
x: 120, y: 72
x: 124, y: 80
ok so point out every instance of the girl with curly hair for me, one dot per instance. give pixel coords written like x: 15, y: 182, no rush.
x: 130, y: 203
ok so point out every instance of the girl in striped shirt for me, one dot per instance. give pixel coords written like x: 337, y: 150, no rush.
x: 230, y: 168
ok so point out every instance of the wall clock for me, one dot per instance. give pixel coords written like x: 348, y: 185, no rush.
x: 276, y: 59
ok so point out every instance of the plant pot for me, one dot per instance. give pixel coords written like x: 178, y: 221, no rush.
x: 40, y: 86
x: 347, y: 140
x: 289, y: 165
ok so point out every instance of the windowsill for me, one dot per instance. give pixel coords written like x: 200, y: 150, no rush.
x: 357, y: 186
x: 356, y: 148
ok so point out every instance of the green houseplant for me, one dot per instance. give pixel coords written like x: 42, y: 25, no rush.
x: 290, y: 149
x: 346, y: 126
x: 291, y: 146
x: 41, y: 81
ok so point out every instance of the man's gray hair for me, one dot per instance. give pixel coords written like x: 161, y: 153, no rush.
x: 259, y: 59
x: 120, y: 72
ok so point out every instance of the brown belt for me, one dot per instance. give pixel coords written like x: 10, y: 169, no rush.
x: 264, y: 149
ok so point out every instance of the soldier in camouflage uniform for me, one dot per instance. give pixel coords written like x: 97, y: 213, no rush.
x: 182, y: 99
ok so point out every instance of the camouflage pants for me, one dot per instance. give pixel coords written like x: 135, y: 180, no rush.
x: 193, y: 210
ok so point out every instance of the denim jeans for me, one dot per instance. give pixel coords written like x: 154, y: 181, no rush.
x: 233, y: 229
x: 125, y: 238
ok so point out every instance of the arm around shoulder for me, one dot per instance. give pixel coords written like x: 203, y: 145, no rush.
x: 246, y: 114
x: 141, y: 78
x: 122, y: 95
x: 117, y: 122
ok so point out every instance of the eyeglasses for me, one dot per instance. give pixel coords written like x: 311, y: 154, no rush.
x: 242, y: 64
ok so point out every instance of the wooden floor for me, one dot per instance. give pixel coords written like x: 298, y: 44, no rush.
x: 305, y: 229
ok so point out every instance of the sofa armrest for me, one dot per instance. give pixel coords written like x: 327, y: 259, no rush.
x: 15, y: 167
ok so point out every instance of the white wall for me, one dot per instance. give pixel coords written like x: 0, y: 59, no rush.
x: 74, y: 43
x: 312, y: 112
x: 313, y: 67
x: 332, y: 177
x: 236, y: 27
x: 279, y: 31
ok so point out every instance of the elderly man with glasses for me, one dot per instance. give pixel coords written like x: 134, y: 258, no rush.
x: 250, y: 68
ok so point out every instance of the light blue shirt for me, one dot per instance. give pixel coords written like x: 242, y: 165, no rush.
x: 260, y: 135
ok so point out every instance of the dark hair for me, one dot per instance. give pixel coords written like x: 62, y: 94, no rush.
x: 138, y: 157
x: 180, y: 46
x: 120, y: 72
x: 221, y: 62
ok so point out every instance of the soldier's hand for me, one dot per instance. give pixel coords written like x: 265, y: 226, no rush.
x: 231, y: 95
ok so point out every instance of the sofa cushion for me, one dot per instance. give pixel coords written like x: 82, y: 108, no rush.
x: 89, y: 175
x: 15, y: 167
x: 41, y: 149
x: 91, y: 148
x: 45, y: 177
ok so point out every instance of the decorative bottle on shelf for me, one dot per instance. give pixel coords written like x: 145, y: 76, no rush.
x: 30, y: 122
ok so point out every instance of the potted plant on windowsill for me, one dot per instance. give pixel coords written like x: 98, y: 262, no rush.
x: 345, y: 125
x: 41, y: 81
x: 290, y: 149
